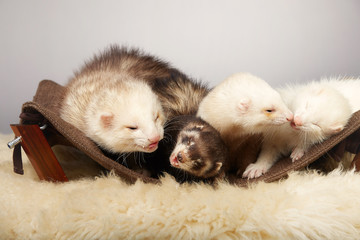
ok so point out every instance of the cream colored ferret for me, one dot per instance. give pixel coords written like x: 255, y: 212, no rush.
x: 119, y: 115
x: 243, y: 104
x: 240, y: 106
x: 320, y: 111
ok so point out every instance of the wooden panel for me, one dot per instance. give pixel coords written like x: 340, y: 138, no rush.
x: 39, y: 152
x: 356, y: 162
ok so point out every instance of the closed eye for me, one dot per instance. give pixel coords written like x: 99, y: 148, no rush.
x: 157, y: 116
x: 132, y: 127
x: 270, y: 110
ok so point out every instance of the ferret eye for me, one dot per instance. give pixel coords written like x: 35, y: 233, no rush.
x: 270, y: 110
x: 157, y: 116
x: 132, y: 127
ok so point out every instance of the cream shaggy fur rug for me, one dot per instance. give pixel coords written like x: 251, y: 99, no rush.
x: 305, y: 206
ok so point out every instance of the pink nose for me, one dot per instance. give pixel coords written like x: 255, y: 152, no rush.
x: 298, y: 121
x: 154, y: 139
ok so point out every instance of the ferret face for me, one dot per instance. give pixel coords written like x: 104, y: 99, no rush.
x: 319, y: 112
x: 260, y: 108
x: 199, y: 150
x: 131, y: 123
x: 259, y: 113
x: 246, y: 101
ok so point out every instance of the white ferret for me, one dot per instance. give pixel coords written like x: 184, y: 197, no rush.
x: 243, y: 104
x: 320, y: 111
x: 112, y: 102
x: 241, y: 108
x: 118, y: 112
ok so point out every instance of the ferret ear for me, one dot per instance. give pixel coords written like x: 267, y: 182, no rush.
x: 107, y: 119
x: 336, y: 128
x: 244, y: 105
x: 218, y: 165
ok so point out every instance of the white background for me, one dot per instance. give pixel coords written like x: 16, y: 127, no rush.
x: 281, y: 41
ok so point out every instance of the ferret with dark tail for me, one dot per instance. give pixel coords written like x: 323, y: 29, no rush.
x: 122, y: 98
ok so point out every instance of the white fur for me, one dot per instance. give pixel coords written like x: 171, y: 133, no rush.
x: 107, y: 112
x: 320, y: 111
x: 242, y: 101
x: 349, y: 87
x: 304, y: 206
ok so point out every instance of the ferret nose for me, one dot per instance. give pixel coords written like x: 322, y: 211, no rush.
x: 298, y: 121
x: 179, y: 157
x: 290, y: 117
x: 154, y: 139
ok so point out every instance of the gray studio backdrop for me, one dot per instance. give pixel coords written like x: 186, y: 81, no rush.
x: 281, y: 41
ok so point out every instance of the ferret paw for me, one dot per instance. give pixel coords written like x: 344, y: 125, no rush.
x: 255, y: 170
x: 296, y: 154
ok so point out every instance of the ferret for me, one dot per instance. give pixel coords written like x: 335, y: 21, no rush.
x: 199, y: 149
x: 122, y: 99
x: 243, y: 104
x: 111, y: 101
x: 241, y: 108
x: 191, y: 151
x: 117, y: 111
x: 320, y: 111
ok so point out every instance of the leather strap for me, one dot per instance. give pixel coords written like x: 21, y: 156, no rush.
x: 17, y: 160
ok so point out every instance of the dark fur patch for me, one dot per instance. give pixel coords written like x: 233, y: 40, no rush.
x: 208, y: 147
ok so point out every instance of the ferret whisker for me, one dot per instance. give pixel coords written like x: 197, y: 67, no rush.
x: 123, y: 161
x: 169, y: 140
x: 142, y: 155
x: 183, y: 173
x: 172, y: 128
x: 138, y: 159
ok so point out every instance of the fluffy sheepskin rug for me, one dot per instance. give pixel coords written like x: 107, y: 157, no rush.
x: 305, y: 206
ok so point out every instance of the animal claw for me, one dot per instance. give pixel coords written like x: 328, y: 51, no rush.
x: 255, y: 170
x: 296, y: 154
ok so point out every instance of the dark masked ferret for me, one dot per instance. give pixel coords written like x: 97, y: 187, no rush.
x: 199, y: 149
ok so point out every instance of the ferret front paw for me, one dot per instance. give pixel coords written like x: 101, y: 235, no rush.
x: 296, y: 154
x: 255, y: 170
